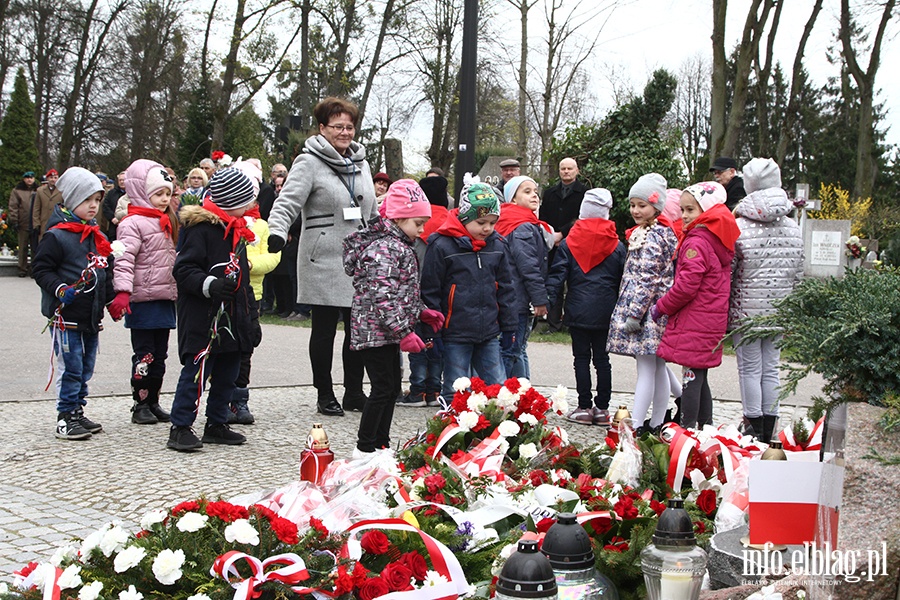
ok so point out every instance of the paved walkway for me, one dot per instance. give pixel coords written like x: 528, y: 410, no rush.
x: 54, y: 490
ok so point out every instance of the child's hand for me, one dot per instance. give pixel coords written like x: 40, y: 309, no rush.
x: 222, y: 289
x: 434, y: 348
x: 435, y: 318
x: 66, y: 294
x: 632, y: 325
x: 654, y: 313
x: 120, y: 306
x: 412, y: 343
x: 507, y: 339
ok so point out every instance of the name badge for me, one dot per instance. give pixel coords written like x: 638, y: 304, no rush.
x: 352, y: 213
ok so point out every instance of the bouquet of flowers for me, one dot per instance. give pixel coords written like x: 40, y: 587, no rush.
x: 189, y: 199
x: 854, y: 248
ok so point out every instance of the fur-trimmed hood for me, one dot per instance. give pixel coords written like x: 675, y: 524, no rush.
x: 194, y: 214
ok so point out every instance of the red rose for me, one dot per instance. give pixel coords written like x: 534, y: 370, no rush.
x: 285, y: 530
x: 544, y: 524
x: 226, y: 511
x: 415, y: 562
x: 373, y: 588
x: 319, y: 526
x: 625, y: 508
x: 397, y: 576
x: 189, y: 506
x: 706, y: 502
x: 374, y: 542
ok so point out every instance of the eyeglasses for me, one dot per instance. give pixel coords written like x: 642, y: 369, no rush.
x: 343, y: 128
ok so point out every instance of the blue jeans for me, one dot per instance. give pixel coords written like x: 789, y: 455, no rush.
x: 460, y: 359
x: 222, y: 369
x: 76, y: 354
x: 515, y: 359
x: 424, y: 374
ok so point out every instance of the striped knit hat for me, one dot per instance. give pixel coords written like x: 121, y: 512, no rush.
x: 231, y: 188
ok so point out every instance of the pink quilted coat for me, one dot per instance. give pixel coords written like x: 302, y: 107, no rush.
x: 697, y: 303
x: 145, y: 270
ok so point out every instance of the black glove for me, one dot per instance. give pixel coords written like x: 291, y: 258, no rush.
x: 222, y: 289
x: 275, y: 244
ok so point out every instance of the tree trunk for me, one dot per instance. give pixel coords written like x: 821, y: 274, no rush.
x: 222, y: 105
x: 522, y: 133
x: 374, y: 67
x: 336, y: 86
x: 304, y: 64
x: 763, y: 133
x: 718, y: 98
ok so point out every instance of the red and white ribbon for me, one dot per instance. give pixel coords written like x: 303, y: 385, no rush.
x: 680, y: 447
x: 293, y: 572
x: 813, y: 443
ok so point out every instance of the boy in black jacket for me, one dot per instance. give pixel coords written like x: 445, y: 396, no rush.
x: 213, y: 279
x: 74, y: 270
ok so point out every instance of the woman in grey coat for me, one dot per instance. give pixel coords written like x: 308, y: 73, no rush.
x: 768, y: 263
x: 330, y: 186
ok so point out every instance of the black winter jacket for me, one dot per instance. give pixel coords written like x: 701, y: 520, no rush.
x: 591, y: 296
x: 204, y: 252
x: 60, y: 260
x: 474, y: 290
x: 529, y: 252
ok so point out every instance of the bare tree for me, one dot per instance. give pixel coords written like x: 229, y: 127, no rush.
x: 866, y: 168
x: 523, y: 7
x: 692, y: 111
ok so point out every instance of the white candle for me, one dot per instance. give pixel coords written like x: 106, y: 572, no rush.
x: 675, y: 585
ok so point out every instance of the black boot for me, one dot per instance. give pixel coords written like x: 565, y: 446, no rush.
x: 239, y: 412
x: 754, y: 427
x: 154, y: 384
x: 329, y: 407
x: 676, y: 418
x: 768, y: 428
x: 140, y: 411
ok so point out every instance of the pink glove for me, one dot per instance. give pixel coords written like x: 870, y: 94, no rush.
x: 435, y: 318
x: 120, y: 305
x: 412, y: 343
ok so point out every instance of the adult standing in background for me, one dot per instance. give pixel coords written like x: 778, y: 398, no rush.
x: 109, y: 206
x: 20, y: 217
x: 559, y: 208
x: 209, y: 167
x: 45, y: 200
x: 724, y: 171
x: 330, y: 186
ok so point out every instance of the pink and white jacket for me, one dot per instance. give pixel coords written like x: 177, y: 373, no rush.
x: 145, y: 270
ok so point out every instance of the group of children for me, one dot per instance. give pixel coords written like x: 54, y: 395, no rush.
x: 456, y: 289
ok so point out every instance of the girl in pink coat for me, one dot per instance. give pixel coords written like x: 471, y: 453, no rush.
x: 144, y: 285
x: 697, y: 303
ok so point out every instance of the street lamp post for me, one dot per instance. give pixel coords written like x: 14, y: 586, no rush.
x: 465, y: 149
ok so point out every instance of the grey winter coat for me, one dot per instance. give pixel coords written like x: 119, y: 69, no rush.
x: 318, y: 188
x: 768, y: 257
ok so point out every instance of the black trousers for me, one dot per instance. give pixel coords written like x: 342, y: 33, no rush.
x: 151, y: 348
x: 383, y: 366
x: 321, y: 350
x: 696, y: 400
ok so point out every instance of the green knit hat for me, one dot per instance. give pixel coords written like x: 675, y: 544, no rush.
x: 477, y: 200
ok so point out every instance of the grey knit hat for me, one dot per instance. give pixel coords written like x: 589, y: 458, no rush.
x: 77, y: 185
x: 231, y: 188
x: 596, y: 204
x: 761, y: 174
x: 651, y: 188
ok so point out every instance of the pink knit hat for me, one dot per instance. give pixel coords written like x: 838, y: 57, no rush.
x: 707, y: 194
x: 405, y: 200
x: 673, y: 208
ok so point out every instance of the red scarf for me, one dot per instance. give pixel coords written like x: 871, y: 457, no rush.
x: 719, y: 220
x: 453, y: 227
x: 513, y: 215
x: 237, y: 226
x: 253, y: 213
x: 100, y: 241
x: 165, y: 223
x: 591, y: 241
x: 438, y: 216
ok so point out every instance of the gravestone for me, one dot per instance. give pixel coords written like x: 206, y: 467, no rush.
x: 823, y: 247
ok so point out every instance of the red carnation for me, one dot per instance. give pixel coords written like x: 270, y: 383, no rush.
x: 478, y: 385
x: 706, y: 502
x: 438, y: 498
x: 416, y: 564
x: 458, y: 456
x: 492, y: 391
x: 189, y: 506
x: 373, y: 588
x: 141, y: 533
x: 397, y: 576
x: 657, y: 506
x: 699, y: 527
x: 319, y: 526
x: 483, y: 423
x: 217, y: 154
x: 374, y: 542
x: 360, y: 574
x: 435, y: 482
x: 285, y: 530
x: 344, y: 583
x: 544, y: 525
x: 512, y: 384
x: 625, y: 508
x: 264, y: 511
x: 226, y: 511
x: 616, y: 544
x: 460, y: 402
x: 538, y: 477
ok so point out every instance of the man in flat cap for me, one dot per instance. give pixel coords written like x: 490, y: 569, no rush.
x: 724, y: 171
x: 509, y: 168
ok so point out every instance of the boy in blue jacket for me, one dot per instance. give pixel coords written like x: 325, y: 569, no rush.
x: 466, y: 276
x: 590, y: 261
x: 74, y: 270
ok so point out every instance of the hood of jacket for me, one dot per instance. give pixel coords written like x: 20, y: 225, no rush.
x: 765, y: 206
x: 194, y: 214
x: 356, y: 243
x: 136, y: 181
x: 723, y: 254
x: 320, y: 147
x: 63, y: 215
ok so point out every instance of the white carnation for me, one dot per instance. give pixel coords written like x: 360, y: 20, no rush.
x: 508, y: 428
x: 191, y: 522
x: 155, y: 516
x: 506, y: 399
x: 129, y: 557
x: 528, y: 419
x: 92, y: 541
x: 130, y: 594
x: 560, y: 392
x: 242, y: 532
x: 63, y: 553
x: 114, y: 540
x: 503, y: 446
x: 476, y: 402
x: 524, y: 385
x: 118, y: 248
x: 528, y: 450
x: 167, y: 566
x: 91, y: 591
x: 461, y: 384
x: 467, y: 420
x: 70, y: 578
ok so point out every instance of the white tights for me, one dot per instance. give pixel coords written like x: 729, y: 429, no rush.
x: 653, y: 385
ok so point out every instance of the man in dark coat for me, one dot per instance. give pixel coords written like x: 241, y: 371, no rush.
x: 109, y: 206
x: 724, y: 171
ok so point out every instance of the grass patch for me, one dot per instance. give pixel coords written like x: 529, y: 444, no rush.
x: 557, y: 337
x: 276, y: 320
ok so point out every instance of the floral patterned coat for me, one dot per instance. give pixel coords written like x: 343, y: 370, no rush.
x: 649, y: 273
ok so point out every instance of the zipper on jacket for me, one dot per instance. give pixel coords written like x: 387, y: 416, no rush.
x: 478, y: 256
x: 450, y: 306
